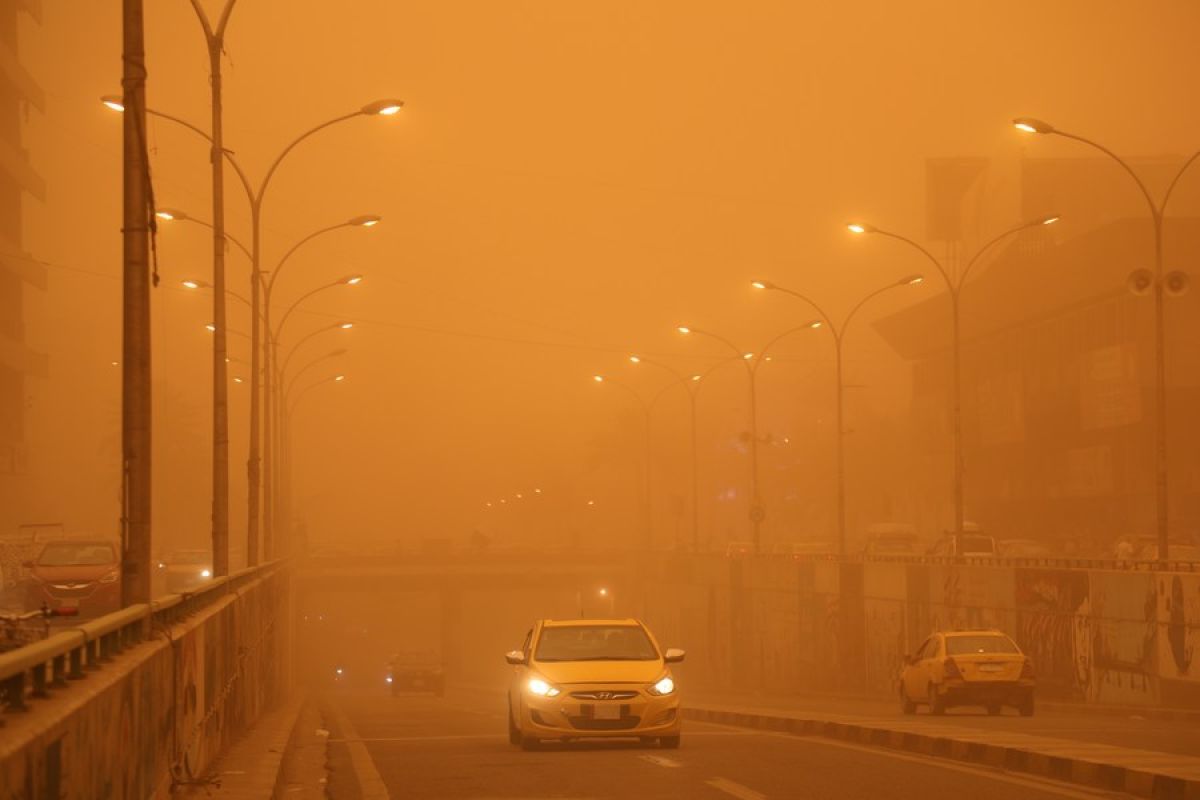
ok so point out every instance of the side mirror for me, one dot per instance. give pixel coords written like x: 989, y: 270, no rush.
x: 515, y: 657
x: 674, y: 655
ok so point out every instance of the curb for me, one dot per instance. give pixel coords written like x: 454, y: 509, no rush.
x: 1094, y: 774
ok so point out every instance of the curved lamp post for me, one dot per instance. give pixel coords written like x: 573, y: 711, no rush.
x: 954, y: 285
x: 255, y: 196
x: 839, y: 333
x: 752, y: 363
x: 1157, y: 214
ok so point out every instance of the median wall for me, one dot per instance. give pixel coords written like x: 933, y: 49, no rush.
x: 1096, y: 635
x: 156, y: 714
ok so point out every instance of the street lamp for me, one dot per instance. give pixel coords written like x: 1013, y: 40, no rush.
x: 838, y: 333
x: 954, y: 284
x: 757, y: 511
x: 645, y: 407
x: 384, y: 108
x: 1157, y: 215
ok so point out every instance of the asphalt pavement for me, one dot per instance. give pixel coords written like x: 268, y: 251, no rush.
x: 416, y: 746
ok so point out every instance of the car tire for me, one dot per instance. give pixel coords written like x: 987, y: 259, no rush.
x: 907, y: 706
x: 993, y: 710
x: 1026, y: 707
x: 937, y: 704
x: 669, y: 742
x: 514, y: 733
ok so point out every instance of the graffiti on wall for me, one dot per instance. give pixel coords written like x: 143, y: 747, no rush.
x: 1054, y: 627
x: 1123, y: 620
x: 1178, y: 617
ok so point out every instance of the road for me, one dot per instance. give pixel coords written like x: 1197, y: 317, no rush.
x: 455, y: 748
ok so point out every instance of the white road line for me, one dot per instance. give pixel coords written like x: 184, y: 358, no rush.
x: 735, y: 789
x: 661, y: 761
x: 449, y: 738
x: 369, y: 781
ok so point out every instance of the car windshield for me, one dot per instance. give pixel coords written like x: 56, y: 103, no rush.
x: 977, y: 544
x: 595, y: 643
x: 987, y: 643
x: 70, y: 554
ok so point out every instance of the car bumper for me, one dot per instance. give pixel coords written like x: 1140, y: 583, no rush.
x: 566, y: 717
x: 95, y: 601
x: 986, y: 692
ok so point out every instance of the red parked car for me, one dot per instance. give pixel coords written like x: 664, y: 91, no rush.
x: 84, y: 575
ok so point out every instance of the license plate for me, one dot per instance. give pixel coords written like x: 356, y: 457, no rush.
x: 991, y: 667
x: 608, y: 712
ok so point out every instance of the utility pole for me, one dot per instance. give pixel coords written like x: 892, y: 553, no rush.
x: 215, y: 41
x: 135, y: 362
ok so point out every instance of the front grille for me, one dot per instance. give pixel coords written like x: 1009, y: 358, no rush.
x: 602, y: 695
x: 590, y: 724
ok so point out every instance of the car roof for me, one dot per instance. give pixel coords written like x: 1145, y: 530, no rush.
x: 562, y: 623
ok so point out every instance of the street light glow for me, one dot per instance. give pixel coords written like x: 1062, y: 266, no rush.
x: 598, y: 378
x: 339, y: 378
x: 210, y: 328
x: 237, y: 379
x: 1032, y: 125
x: 366, y: 221
x: 113, y: 101
x: 383, y: 108
x: 816, y: 323
x: 1051, y: 220
x: 352, y: 280
x: 911, y: 280
x: 695, y: 377
x: 684, y: 329
x: 747, y: 356
x: 346, y: 326
x: 761, y: 285
x: 190, y: 284
x: 858, y: 227
x: 168, y: 214
x: 635, y: 359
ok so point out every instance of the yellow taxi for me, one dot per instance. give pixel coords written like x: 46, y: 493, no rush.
x: 967, y: 668
x: 592, y: 678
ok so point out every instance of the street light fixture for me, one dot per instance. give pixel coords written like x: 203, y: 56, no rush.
x: 954, y: 284
x: 838, y: 338
x: 757, y: 512
x: 1157, y: 215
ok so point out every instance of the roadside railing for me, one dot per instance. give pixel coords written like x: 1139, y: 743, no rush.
x: 30, y: 672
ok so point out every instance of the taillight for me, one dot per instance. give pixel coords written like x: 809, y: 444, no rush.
x: 1027, y: 669
x: 950, y: 668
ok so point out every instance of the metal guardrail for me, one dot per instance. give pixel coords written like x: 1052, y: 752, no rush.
x: 1046, y: 562
x: 30, y: 672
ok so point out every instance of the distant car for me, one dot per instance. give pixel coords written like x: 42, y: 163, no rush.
x: 592, y: 678
x: 739, y: 549
x: 1023, y: 548
x: 186, y: 570
x: 416, y: 671
x: 969, y: 545
x: 967, y: 668
x: 73, y: 574
x: 798, y: 549
x: 891, y: 539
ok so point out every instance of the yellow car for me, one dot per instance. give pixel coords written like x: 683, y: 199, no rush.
x: 589, y: 679
x: 967, y: 668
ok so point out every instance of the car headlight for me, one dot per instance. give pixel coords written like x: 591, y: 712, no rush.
x: 111, y: 577
x: 206, y: 573
x: 542, y: 689
x: 664, y: 686
x: 388, y: 679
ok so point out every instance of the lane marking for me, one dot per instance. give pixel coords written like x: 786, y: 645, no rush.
x: 1048, y: 785
x: 661, y: 761
x: 444, y: 738
x: 735, y: 789
x: 370, y: 783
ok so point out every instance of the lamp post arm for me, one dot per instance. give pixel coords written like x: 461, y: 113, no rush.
x: 288, y: 358
x: 863, y: 302
x: 262, y: 187
x: 237, y: 168
x: 306, y: 368
x: 991, y: 243
x: 762, y: 353
x: 291, y: 407
x: 228, y: 236
x: 674, y: 373
x: 740, y: 353
x: 820, y: 311
x: 294, y: 248
x: 299, y: 300
x: 1154, y: 210
x: 1175, y: 180
x: 941, y: 270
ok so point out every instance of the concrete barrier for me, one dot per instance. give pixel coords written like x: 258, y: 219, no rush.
x: 141, y: 718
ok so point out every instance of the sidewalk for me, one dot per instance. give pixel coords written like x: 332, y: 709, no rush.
x: 252, y: 769
x: 1145, y: 773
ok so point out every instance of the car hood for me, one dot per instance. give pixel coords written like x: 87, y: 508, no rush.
x: 567, y: 672
x: 75, y: 573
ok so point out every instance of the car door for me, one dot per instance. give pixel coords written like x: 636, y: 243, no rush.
x: 914, y: 684
x: 519, y: 676
x: 931, y: 669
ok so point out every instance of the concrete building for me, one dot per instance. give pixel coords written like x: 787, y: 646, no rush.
x: 20, y: 360
x: 1059, y: 368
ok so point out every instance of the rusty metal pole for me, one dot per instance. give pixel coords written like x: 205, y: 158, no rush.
x: 135, y: 363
